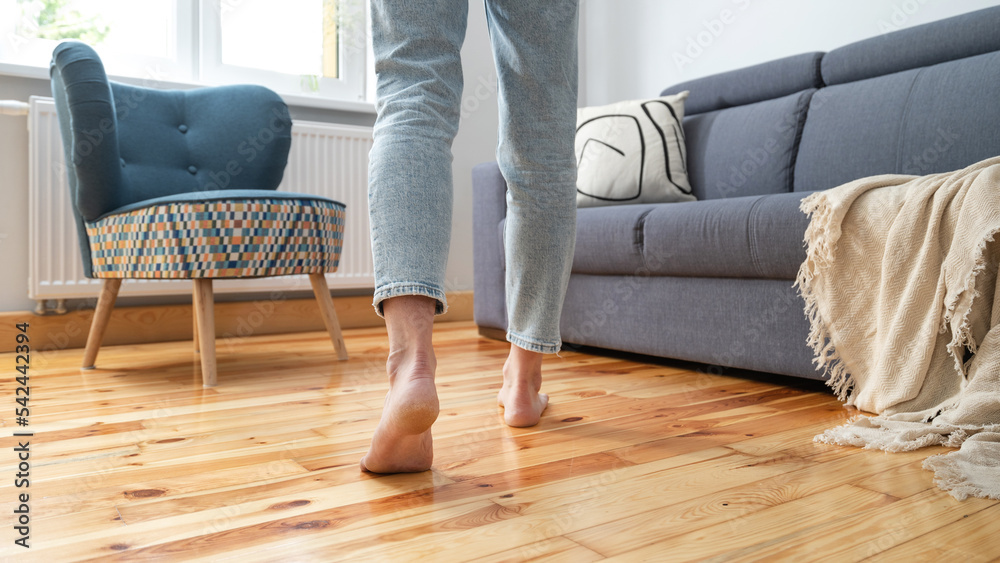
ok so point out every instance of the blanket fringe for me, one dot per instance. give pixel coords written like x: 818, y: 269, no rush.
x: 820, y: 241
x: 872, y: 433
x: 962, y: 334
x: 948, y: 476
x: 956, y: 438
x: 886, y: 434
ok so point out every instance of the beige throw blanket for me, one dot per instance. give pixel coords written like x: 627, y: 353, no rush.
x: 900, y: 285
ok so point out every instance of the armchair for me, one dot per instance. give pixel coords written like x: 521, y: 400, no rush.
x: 182, y: 184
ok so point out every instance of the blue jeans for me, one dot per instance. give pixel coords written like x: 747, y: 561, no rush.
x: 417, y: 46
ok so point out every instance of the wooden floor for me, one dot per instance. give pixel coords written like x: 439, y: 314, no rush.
x: 632, y: 462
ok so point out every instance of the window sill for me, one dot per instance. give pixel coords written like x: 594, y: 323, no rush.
x: 295, y: 100
x: 302, y: 100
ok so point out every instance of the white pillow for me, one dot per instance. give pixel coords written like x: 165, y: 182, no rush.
x: 632, y: 152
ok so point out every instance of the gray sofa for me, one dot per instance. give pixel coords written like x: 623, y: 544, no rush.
x: 711, y: 281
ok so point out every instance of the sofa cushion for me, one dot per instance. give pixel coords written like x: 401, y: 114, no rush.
x: 609, y: 239
x: 751, y: 324
x: 921, y: 121
x: 746, y: 150
x: 750, y: 237
x: 954, y: 38
x: 766, y: 81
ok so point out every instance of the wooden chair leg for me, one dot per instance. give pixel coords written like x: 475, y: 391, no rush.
x: 105, y: 303
x: 322, y: 292
x: 204, y: 303
x: 194, y: 320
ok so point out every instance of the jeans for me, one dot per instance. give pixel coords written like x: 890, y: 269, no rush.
x: 417, y: 45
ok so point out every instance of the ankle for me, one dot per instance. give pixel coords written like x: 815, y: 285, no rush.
x: 523, y: 368
x: 409, y: 321
x: 410, y: 364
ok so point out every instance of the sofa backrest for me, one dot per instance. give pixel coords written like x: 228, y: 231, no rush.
x: 918, y: 101
x: 742, y: 127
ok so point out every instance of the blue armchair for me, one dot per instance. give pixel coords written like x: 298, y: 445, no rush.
x: 181, y: 184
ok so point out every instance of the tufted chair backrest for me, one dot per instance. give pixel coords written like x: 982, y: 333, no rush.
x: 228, y: 137
x: 125, y: 144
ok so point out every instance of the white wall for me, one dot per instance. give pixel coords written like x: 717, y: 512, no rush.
x: 636, y: 48
x: 14, y: 196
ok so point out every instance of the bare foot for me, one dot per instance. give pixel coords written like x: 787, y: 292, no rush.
x: 519, y: 396
x: 402, y: 441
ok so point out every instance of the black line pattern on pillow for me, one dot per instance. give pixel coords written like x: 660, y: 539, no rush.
x: 678, y: 130
x: 642, y: 155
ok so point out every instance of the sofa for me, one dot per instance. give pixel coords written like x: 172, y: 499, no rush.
x: 711, y: 281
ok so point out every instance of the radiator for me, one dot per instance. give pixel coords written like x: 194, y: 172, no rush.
x: 327, y: 160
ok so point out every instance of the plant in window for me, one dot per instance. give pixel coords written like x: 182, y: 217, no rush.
x: 55, y: 19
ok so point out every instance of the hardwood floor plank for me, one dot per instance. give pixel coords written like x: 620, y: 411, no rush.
x: 556, y: 549
x: 725, y: 540
x: 906, y: 480
x: 859, y: 536
x: 349, y: 542
x: 970, y: 537
x: 80, y: 495
x: 719, y: 505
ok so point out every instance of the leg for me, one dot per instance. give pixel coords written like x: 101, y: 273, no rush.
x: 105, y: 303
x: 417, y: 47
x: 522, y: 381
x: 204, y: 304
x: 322, y: 292
x: 402, y: 440
x: 535, y: 48
x: 194, y: 329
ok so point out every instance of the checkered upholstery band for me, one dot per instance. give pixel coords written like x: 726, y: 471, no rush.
x: 219, y: 239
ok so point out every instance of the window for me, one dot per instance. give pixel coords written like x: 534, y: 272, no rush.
x: 305, y: 46
x: 299, y: 47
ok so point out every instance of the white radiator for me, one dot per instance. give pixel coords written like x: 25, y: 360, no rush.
x: 327, y: 160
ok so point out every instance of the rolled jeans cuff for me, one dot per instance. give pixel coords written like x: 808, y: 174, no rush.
x: 409, y: 288
x: 532, y: 345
